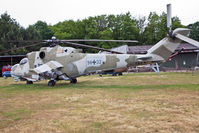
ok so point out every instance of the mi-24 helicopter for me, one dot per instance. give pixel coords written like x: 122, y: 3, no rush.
x: 67, y: 63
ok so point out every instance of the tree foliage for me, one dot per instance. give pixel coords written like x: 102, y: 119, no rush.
x: 10, y: 30
x: 194, y: 31
x: 44, y: 30
x: 156, y: 28
x: 147, y: 30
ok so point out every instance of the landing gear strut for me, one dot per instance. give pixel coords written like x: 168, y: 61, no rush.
x: 29, y: 82
x: 51, y: 83
x: 73, y: 81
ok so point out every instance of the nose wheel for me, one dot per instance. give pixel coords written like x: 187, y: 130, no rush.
x: 73, y: 81
x: 51, y: 83
x: 29, y: 82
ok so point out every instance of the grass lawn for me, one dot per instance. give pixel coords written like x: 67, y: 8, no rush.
x: 141, y: 102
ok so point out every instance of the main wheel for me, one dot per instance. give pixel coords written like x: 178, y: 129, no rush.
x: 51, y: 83
x: 29, y: 82
x: 114, y: 74
x: 120, y: 74
x: 73, y: 81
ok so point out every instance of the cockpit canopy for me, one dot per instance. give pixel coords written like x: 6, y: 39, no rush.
x: 23, y: 61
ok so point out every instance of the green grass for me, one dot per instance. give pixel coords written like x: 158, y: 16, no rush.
x: 147, y: 80
x: 103, y: 104
x: 15, y: 112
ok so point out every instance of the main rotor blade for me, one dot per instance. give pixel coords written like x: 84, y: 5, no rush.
x: 97, y: 40
x: 68, y: 40
x: 89, y: 46
x: 35, y: 44
x: 186, y: 39
x: 22, y: 41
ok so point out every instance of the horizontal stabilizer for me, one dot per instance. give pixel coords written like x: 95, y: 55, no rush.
x: 188, y: 40
x: 51, y: 65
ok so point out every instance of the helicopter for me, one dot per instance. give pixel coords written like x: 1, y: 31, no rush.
x: 56, y: 62
x: 64, y: 63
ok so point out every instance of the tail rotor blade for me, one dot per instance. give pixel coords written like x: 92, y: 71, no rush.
x: 188, y: 40
x: 169, y: 16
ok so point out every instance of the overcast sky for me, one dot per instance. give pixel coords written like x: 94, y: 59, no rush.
x: 28, y: 12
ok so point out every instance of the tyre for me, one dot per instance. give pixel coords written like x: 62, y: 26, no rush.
x: 114, y: 74
x: 120, y: 74
x: 29, y: 82
x: 51, y: 83
x: 73, y: 81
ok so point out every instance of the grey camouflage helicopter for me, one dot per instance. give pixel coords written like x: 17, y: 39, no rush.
x: 67, y: 63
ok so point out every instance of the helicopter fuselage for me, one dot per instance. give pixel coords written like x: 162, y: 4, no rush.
x: 66, y: 63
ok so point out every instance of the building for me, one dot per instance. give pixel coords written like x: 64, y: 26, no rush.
x: 10, y: 60
x: 185, y: 56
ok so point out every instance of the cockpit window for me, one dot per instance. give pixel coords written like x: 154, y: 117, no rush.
x: 23, y: 61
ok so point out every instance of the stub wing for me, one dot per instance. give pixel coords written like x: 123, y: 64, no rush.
x: 51, y: 65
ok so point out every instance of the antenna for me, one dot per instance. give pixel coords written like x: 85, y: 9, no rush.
x: 169, y: 21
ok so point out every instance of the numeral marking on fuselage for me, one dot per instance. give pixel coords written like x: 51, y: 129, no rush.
x: 94, y: 62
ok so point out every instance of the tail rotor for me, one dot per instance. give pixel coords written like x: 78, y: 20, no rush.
x: 180, y: 33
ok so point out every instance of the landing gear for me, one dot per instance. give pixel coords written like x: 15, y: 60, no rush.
x: 114, y: 74
x: 29, y: 82
x: 120, y: 74
x: 73, y: 81
x: 51, y: 83
x: 156, y: 68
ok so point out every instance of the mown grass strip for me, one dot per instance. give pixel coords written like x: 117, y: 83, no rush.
x: 37, y: 87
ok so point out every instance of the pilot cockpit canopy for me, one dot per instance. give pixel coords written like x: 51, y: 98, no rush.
x: 23, y: 61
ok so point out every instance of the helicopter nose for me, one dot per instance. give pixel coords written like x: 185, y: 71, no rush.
x: 15, y: 71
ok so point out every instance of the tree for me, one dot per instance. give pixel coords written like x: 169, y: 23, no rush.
x: 156, y: 28
x: 43, y: 29
x: 9, y: 30
x: 141, y: 25
x: 194, y: 34
x: 113, y: 27
x: 150, y: 33
x: 31, y: 33
x: 68, y: 29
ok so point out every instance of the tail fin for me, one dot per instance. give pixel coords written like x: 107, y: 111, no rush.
x: 164, y: 48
